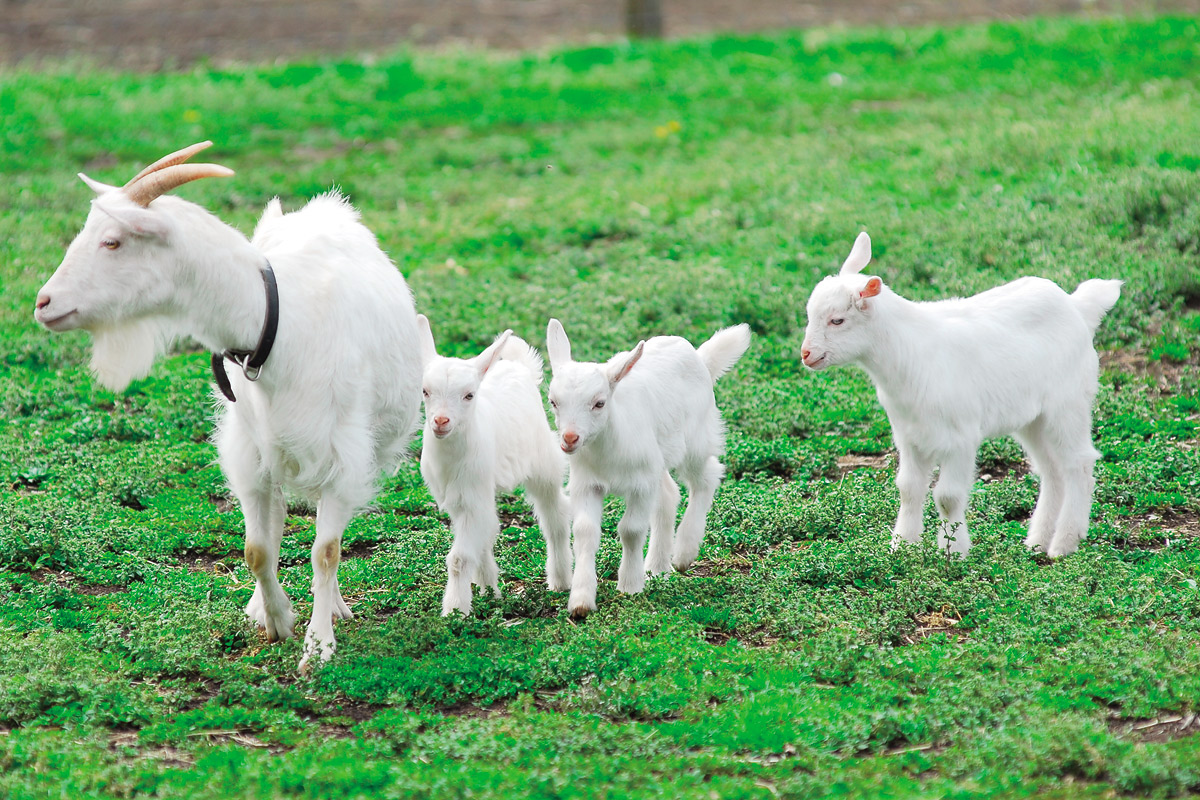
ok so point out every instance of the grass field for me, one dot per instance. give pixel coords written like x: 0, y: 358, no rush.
x: 631, y: 190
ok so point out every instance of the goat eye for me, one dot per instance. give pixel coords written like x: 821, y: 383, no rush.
x: 425, y: 392
x: 837, y: 321
x: 554, y: 404
x: 110, y: 244
x: 598, y: 404
x: 469, y: 396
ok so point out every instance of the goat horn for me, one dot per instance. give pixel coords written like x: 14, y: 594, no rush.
x: 178, y: 157
x: 164, y: 180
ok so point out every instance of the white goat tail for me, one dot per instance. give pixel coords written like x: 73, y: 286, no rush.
x: 521, y: 352
x: 1094, y: 298
x: 724, y: 348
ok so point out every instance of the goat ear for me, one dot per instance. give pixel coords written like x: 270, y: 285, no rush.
x: 860, y: 256
x: 96, y: 186
x: 428, y: 349
x: 137, y: 220
x: 272, y: 212
x: 619, y: 371
x: 489, y: 356
x: 557, y: 344
x: 872, y: 289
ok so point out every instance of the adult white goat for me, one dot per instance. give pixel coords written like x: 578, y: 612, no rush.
x: 624, y: 425
x: 486, y: 430
x: 335, y: 402
x: 1015, y: 359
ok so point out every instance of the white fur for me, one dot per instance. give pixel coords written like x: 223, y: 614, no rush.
x: 337, y: 399
x: 1017, y: 359
x: 486, y: 430
x: 625, y: 425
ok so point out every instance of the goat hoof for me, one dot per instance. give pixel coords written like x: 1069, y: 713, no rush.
x: 656, y: 568
x: 633, y: 585
x: 682, y: 565
x: 279, y: 628
x: 581, y: 608
x: 1037, y: 545
x: 683, y: 561
x: 314, y: 646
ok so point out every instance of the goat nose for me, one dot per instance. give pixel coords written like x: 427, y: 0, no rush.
x: 43, y: 300
x: 441, y: 422
x: 570, y: 437
x: 805, y: 353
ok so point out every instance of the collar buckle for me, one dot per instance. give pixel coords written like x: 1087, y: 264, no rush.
x: 252, y: 362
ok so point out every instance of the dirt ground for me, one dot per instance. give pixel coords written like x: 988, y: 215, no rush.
x: 150, y: 34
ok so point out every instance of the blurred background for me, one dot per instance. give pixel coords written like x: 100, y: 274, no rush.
x: 152, y: 34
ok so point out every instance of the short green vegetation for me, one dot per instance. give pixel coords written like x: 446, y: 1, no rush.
x: 631, y: 190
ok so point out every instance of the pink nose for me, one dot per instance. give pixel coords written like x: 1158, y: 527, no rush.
x: 43, y: 300
x: 805, y: 353
x: 570, y: 438
x: 441, y: 422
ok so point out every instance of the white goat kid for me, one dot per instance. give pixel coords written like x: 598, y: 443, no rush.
x: 1017, y: 359
x: 335, y: 403
x: 486, y: 430
x: 624, y: 425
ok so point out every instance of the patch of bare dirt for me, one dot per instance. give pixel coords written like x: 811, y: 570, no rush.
x: 1164, y: 728
x: 76, y: 584
x: 100, y: 590
x: 164, y: 754
x: 1166, y: 376
x: 1172, y: 525
x: 356, y: 710
x: 717, y: 637
x: 239, y: 736
x: 769, y: 759
x: 336, y: 732
x: 933, y: 748
x: 208, y: 562
x: 362, y: 549
x: 222, y: 502
x: 203, y: 689
x: 472, y: 711
x: 944, y: 620
x: 853, y: 461
x: 715, y: 567
x: 150, y: 34
x: 996, y: 471
x: 513, y: 519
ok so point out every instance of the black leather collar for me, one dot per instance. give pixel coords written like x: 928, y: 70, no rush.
x: 251, y: 361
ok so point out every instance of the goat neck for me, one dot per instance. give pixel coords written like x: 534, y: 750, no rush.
x: 221, y: 299
x: 905, y: 344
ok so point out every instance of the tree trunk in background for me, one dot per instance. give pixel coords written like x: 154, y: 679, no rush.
x: 644, y: 19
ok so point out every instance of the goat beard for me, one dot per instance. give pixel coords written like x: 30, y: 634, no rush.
x: 125, y: 351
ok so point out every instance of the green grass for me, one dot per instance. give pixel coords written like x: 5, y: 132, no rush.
x: 630, y: 190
